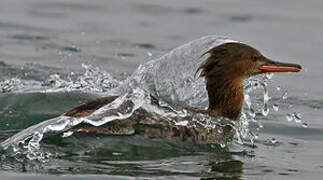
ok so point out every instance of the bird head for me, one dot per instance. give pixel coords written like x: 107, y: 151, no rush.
x: 240, y: 60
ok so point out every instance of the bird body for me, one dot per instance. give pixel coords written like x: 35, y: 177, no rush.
x: 224, y: 71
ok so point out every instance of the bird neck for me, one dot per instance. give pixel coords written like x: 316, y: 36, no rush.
x: 225, y: 95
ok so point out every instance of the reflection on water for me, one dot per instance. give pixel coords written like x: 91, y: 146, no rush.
x: 129, y: 156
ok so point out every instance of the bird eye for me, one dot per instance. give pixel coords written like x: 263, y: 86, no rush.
x: 254, y: 58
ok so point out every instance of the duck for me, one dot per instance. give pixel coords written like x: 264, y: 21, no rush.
x: 224, y: 70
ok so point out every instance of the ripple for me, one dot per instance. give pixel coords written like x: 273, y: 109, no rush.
x: 144, y: 45
x: 241, y: 18
x: 124, y: 54
x: 192, y: 10
x: 71, y: 48
x: 29, y: 37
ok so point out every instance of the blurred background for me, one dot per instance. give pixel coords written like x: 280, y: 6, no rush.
x: 58, y: 36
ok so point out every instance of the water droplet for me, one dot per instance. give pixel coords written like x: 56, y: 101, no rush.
x: 266, y: 97
x: 252, y: 141
x: 149, y: 54
x: 220, y: 130
x: 67, y: 134
x: 285, y: 95
x: 269, y: 75
x: 278, y: 88
x: 305, y: 125
x: 273, y: 141
x: 265, y: 111
x: 116, y: 154
x: 289, y: 117
x: 247, y: 100
x: 252, y: 113
x: 275, y: 107
x: 297, y: 117
x: 181, y: 123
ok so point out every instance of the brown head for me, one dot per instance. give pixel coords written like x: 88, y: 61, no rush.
x: 226, y: 68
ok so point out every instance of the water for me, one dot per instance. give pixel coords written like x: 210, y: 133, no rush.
x: 58, y: 54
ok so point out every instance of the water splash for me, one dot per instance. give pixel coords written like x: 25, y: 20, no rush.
x: 16, y: 85
x: 249, y: 115
x: 285, y: 95
x: 93, y: 80
x: 159, y: 79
